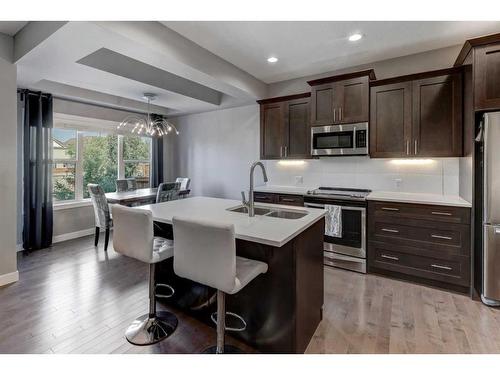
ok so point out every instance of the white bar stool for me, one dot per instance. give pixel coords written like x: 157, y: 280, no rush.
x: 133, y: 237
x: 205, y: 252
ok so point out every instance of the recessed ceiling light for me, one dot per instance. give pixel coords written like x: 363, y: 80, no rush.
x: 272, y: 59
x: 355, y: 37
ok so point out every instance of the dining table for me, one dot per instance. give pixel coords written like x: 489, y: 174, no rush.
x: 137, y: 197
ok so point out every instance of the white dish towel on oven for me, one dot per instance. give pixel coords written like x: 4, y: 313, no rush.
x: 333, y: 220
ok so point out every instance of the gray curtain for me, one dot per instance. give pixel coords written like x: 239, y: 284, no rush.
x: 156, y: 161
x: 37, y: 169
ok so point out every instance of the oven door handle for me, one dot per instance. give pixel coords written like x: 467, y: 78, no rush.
x: 314, y: 205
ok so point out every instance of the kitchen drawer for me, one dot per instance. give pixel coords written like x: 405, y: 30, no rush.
x: 291, y: 200
x: 426, y: 237
x: 448, y: 214
x: 264, y: 197
x: 455, y: 270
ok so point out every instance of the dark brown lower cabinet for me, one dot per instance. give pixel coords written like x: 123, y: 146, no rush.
x: 424, y: 243
x: 275, y: 198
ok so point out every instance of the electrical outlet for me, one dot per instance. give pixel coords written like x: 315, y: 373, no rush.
x: 299, y: 180
x: 398, y: 182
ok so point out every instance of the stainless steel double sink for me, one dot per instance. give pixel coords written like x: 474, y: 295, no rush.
x: 281, y: 213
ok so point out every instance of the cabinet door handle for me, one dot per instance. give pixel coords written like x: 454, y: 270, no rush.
x: 340, y: 113
x: 286, y: 151
x: 407, y: 147
x: 281, y: 151
x: 441, y: 213
x: 334, y: 114
x: 390, y: 209
x: 390, y: 230
x: 441, y: 267
x: 440, y: 237
x: 389, y: 257
x: 416, y: 147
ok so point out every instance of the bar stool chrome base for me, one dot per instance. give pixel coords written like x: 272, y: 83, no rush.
x: 147, y: 330
x: 228, y: 349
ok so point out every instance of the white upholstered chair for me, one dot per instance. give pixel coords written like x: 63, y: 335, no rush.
x: 133, y: 237
x: 205, y: 252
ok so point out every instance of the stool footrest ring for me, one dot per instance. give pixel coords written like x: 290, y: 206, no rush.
x: 172, y: 291
x: 233, y: 329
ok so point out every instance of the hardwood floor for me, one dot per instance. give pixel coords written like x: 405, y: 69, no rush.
x: 373, y: 314
x: 74, y: 298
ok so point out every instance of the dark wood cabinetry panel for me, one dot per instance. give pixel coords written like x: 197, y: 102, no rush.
x: 290, y: 200
x: 487, y: 77
x: 298, y: 131
x: 286, y: 199
x: 322, y: 104
x: 419, y: 115
x: 426, y: 243
x: 390, y: 120
x: 271, y: 131
x: 342, y: 99
x: 284, y: 127
x: 437, y: 116
x: 352, y: 100
x: 264, y: 197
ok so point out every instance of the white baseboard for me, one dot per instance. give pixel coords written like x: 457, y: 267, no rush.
x: 9, y: 278
x: 19, y: 247
x: 73, y: 235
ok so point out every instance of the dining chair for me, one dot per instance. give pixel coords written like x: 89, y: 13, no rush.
x: 184, y: 181
x: 126, y: 184
x: 168, y: 191
x: 103, y: 219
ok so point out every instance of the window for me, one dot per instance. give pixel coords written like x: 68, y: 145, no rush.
x: 64, y: 166
x: 136, y: 158
x: 83, y: 157
x: 100, y: 161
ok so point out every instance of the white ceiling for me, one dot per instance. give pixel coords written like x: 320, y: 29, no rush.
x: 306, y: 48
x: 11, y: 27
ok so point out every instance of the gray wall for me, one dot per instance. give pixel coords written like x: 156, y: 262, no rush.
x: 8, y: 173
x: 215, y: 150
x: 419, y: 62
x: 74, y: 219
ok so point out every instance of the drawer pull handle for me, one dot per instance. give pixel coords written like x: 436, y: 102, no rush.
x: 390, y: 209
x: 441, y: 213
x: 389, y: 257
x: 441, y: 237
x: 288, y: 200
x: 390, y: 230
x: 441, y: 267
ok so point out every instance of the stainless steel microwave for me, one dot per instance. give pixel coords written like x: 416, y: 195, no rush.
x: 338, y: 140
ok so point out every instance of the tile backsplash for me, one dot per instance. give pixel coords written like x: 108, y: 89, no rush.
x: 436, y: 176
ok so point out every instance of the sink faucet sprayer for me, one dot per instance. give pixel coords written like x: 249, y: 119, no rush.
x: 250, y: 203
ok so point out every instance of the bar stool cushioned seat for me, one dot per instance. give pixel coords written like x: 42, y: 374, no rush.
x: 133, y: 237
x: 205, y: 252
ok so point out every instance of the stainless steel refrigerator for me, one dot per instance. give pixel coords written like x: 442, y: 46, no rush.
x: 490, y: 137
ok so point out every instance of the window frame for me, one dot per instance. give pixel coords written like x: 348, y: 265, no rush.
x: 79, y: 188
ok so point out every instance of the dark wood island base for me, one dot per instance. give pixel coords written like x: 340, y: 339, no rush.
x: 281, y: 308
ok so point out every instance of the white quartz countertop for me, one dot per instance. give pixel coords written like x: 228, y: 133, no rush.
x: 262, y: 229
x: 419, y: 198
x: 281, y: 189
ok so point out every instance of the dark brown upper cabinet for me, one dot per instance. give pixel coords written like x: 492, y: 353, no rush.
x: 483, y: 54
x: 437, y: 116
x: 342, y: 99
x: 418, y: 115
x: 285, y: 132
x: 390, y: 120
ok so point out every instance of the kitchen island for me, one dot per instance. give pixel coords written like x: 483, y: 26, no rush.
x: 281, y: 308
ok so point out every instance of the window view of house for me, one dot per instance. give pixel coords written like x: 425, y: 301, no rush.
x: 83, y: 157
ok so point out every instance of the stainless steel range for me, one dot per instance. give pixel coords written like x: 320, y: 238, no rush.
x: 348, y: 250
